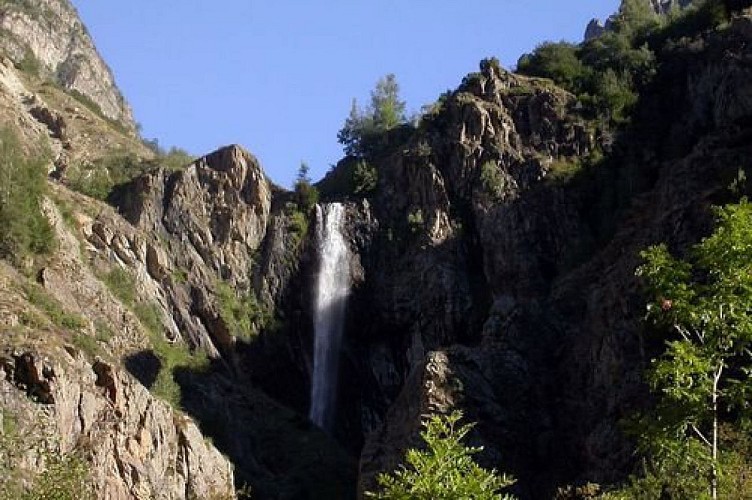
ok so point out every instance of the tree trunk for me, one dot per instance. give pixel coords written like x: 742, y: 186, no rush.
x: 714, y: 465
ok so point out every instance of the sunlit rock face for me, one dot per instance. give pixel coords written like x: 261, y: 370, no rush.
x: 50, y: 32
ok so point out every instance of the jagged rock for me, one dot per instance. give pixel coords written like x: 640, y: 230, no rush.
x: 53, y: 120
x: 52, y: 33
x: 136, y: 445
x: 595, y: 28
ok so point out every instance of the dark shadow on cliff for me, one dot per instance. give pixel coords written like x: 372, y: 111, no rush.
x: 275, y: 450
x: 145, y: 366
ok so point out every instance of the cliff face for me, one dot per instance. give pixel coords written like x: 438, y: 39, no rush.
x: 516, y: 300
x: 49, y: 34
x: 493, y: 271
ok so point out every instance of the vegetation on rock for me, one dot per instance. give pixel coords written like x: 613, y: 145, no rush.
x: 702, y: 380
x: 445, y: 470
x: 24, y: 230
x: 365, y: 132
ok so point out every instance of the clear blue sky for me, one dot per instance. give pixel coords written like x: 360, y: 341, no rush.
x: 278, y: 76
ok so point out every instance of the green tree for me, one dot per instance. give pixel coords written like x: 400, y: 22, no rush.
x: 445, y: 470
x: 365, y: 178
x: 24, y: 229
x: 703, y: 377
x: 364, y: 130
x: 306, y: 193
x: 635, y: 18
x: 558, y: 61
x: 387, y: 109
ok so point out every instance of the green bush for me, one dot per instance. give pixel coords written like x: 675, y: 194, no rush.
x: 241, y: 313
x: 64, y: 477
x: 99, y: 178
x: 365, y: 178
x: 445, y: 470
x: 30, y: 64
x: 24, y: 230
x: 558, y: 61
x: 415, y: 220
x: 176, y: 159
x: 492, y: 179
x: 171, y: 354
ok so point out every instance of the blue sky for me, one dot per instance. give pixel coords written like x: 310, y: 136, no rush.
x: 278, y: 76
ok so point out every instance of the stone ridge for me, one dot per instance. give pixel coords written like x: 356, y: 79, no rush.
x: 596, y: 27
x: 52, y: 32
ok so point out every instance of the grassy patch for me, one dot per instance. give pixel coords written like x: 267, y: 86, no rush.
x: 561, y: 172
x: 122, y: 285
x: 41, y: 299
x: 171, y: 355
x: 66, y: 212
x: 179, y: 276
x: 97, y: 110
x: 87, y: 344
x: 98, y: 179
x: 24, y: 230
x: 30, y: 64
x: 241, y: 313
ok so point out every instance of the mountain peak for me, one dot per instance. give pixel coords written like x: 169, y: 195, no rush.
x: 47, y: 37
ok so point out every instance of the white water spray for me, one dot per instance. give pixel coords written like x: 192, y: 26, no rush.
x: 332, y: 288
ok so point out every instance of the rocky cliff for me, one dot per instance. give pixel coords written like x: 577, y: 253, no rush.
x: 49, y: 37
x: 493, y: 272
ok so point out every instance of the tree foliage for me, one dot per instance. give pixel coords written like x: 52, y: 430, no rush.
x: 556, y: 60
x: 366, y: 130
x: 445, y: 470
x: 306, y: 193
x: 702, y: 380
x: 24, y: 230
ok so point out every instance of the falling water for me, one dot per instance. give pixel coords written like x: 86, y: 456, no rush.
x: 332, y: 288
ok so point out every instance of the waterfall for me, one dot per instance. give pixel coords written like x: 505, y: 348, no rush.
x: 332, y: 288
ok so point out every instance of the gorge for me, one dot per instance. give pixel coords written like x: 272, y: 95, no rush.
x: 193, y: 330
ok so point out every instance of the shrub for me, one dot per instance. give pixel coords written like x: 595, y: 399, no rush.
x: 30, y: 64
x: 65, y: 477
x: 415, y: 220
x: 492, y: 179
x: 306, y: 194
x: 176, y: 159
x: 365, y: 178
x: 24, y: 229
x: 99, y: 178
x: 445, y: 470
x: 558, y: 61
x: 241, y: 313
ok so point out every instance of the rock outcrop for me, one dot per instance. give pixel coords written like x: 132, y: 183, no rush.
x: 49, y: 35
x: 493, y: 272
x: 137, y: 447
